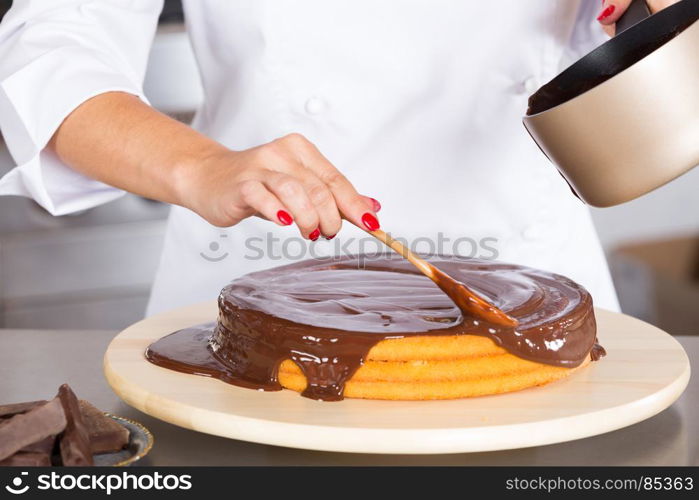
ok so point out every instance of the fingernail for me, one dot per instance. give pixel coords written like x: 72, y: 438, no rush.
x: 377, y: 205
x: 314, y: 235
x: 606, y: 13
x: 370, y: 222
x: 330, y: 237
x: 284, y: 217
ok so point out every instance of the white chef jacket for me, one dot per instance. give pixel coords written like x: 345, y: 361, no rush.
x: 418, y: 102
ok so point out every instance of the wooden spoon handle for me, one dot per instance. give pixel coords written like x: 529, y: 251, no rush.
x: 467, y: 299
x: 425, y: 267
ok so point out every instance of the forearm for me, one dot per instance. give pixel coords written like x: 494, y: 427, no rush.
x: 121, y: 141
x: 117, y: 139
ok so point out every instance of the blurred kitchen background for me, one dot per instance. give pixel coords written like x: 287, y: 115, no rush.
x: 94, y: 269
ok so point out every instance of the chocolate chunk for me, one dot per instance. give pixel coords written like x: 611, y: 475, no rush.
x: 24, y: 429
x: 75, y: 440
x: 7, y: 411
x: 27, y: 459
x: 106, y: 435
x: 43, y: 446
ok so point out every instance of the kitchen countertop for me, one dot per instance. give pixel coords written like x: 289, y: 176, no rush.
x: 33, y: 363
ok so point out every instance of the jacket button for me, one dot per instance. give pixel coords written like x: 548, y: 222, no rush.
x: 533, y: 232
x: 315, y: 106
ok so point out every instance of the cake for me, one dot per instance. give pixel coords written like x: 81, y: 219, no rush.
x: 376, y: 328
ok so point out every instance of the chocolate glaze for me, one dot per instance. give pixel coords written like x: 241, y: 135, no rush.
x: 326, y: 316
x: 597, y: 352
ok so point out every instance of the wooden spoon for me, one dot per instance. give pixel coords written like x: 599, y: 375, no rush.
x: 467, y: 300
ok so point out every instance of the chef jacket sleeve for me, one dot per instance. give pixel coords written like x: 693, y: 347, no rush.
x: 54, y: 55
x: 586, y: 35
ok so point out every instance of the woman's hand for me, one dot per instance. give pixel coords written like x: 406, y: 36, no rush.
x: 612, y: 10
x: 119, y: 140
x: 285, y: 181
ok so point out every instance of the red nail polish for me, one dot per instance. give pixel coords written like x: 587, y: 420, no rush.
x: 370, y: 222
x: 284, y: 217
x: 314, y: 235
x: 377, y: 205
x: 606, y: 13
x: 330, y: 237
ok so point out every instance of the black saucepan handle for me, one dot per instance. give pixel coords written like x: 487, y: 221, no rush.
x: 637, y: 12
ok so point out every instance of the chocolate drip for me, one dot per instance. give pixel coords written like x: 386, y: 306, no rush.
x: 327, y: 315
x: 597, y: 352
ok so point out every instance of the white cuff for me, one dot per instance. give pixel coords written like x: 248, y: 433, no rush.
x: 34, y: 101
x: 55, y: 186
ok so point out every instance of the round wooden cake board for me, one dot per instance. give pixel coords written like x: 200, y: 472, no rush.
x: 644, y: 372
